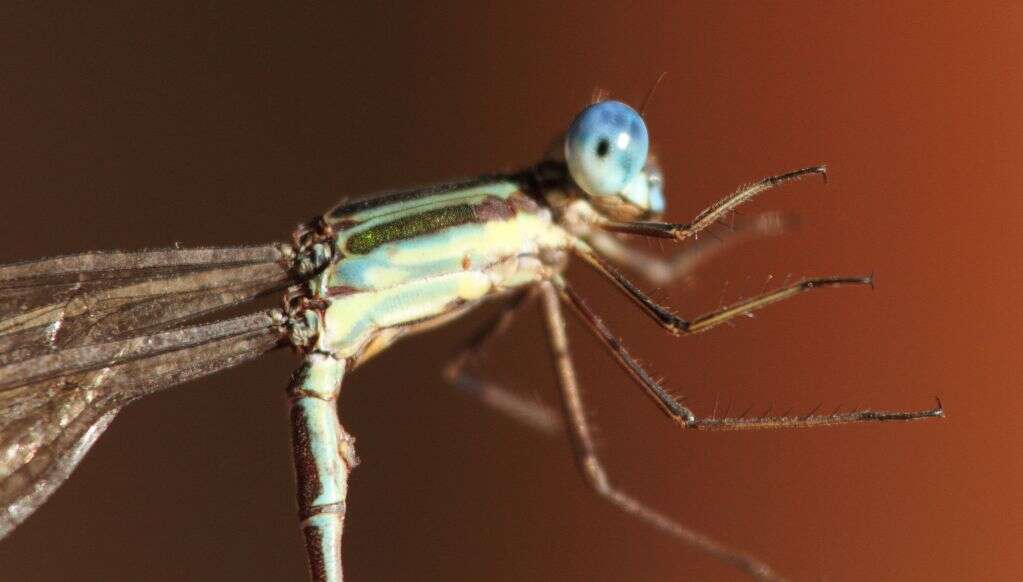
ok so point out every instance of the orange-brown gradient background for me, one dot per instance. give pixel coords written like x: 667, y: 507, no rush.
x: 230, y: 123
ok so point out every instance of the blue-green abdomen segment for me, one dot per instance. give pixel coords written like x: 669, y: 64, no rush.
x: 324, y: 454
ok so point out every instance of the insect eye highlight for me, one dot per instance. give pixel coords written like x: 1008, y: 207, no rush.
x: 606, y: 147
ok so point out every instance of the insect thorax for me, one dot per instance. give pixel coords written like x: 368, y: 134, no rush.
x: 409, y: 260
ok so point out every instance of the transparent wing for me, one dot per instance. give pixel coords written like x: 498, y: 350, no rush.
x: 53, y: 407
x: 83, y: 335
x: 51, y: 304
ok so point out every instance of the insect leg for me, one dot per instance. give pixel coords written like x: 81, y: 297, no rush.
x: 712, y: 213
x: 457, y: 373
x: 679, y: 326
x: 324, y: 455
x: 592, y: 469
x: 685, y: 417
x: 660, y: 270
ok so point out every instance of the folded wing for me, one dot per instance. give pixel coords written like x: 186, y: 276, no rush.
x: 81, y: 336
x: 50, y: 304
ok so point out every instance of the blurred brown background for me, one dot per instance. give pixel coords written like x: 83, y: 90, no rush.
x: 231, y: 122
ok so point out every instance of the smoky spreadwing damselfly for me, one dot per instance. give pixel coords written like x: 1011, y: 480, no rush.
x: 81, y: 336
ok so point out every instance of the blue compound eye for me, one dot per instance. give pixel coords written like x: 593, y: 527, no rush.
x: 606, y: 147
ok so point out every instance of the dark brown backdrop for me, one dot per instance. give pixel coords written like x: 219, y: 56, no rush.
x: 229, y: 123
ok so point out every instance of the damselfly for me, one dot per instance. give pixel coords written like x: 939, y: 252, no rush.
x: 81, y: 336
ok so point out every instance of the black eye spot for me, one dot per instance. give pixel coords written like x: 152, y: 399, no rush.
x: 603, y: 147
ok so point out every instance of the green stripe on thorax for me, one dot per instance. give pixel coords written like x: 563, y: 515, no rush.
x: 409, y: 216
x: 407, y: 227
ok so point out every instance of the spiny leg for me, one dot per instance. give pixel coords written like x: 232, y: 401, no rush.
x: 531, y: 414
x: 711, y: 214
x: 663, y: 270
x: 324, y: 455
x: 593, y: 471
x: 680, y: 326
x: 685, y: 417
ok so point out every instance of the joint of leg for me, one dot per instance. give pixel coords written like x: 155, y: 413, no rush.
x: 679, y: 413
x: 680, y: 327
x: 682, y: 231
